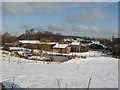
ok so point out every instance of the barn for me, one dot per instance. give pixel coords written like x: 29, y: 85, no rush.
x: 61, y: 48
x: 75, y: 46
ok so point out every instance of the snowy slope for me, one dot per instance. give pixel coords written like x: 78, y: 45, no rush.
x: 72, y: 74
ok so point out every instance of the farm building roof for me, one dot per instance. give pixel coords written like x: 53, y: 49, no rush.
x: 36, y: 42
x: 75, y: 43
x: 30, y: 41
x: 49, y: 43
x: 16, y: 48
x: 60, y: 45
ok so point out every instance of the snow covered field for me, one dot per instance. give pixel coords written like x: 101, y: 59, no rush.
x: 74, y: 73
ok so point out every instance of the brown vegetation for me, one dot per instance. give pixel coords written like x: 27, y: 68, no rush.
x: 6, y: 47
x: 7, y: 38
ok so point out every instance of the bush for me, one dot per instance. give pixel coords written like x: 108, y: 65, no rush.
x: 6, y: 47
x: 2, y: 87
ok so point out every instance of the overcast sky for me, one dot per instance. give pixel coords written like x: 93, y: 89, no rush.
x: 76, y: 18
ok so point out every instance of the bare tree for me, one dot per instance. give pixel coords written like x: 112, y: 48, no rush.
x: 32, y: 31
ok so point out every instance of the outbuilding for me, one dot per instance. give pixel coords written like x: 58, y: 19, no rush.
x: 75, y: 46
x: 61, y: 48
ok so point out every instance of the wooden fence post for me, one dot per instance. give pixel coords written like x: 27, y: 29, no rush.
x: 89, y: 84
x: 36, y: 59
x: 9, y: 57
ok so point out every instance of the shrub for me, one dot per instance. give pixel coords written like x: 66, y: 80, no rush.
x: 6, y: 47
x: 2, y: 87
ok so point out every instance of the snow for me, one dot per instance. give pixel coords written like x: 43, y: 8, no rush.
x: 1, y: 48
x: 79, y: 39
x: 8, y: 43
x: 74, y: 73
x: 30, y: 41
x: 49, y: 43
x: 36, y: 51
x: 38, y: 57
x: 68, y: 39
x: 36, y: 42
x: 75, y: 43
x: 96, y: 42
x: 89, y: 53
x: 85, y: 44
x: 60, y: 45
x: 16, y: 48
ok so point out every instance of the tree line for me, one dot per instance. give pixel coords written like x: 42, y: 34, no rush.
x: 46, y: 36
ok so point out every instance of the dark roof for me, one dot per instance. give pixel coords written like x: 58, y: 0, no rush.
x: 84, y: 41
